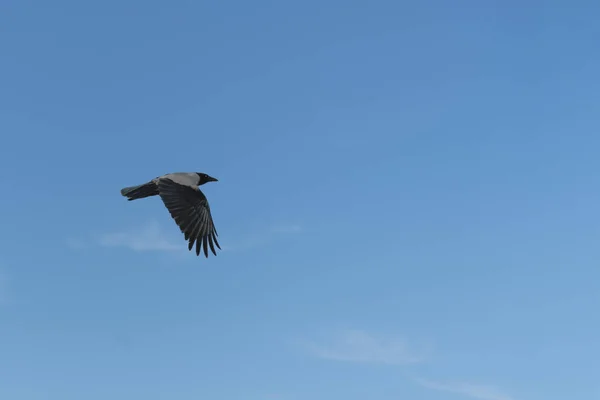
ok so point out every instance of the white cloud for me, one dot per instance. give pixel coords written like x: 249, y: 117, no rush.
x: 152, y: 237
x: 149, y: 238
x: 474, y: 391
x: 361, y: 347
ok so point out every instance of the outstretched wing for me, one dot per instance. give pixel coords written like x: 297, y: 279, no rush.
x: 190, y: 210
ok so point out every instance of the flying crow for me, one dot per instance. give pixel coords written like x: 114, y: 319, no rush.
x: 187, y: 205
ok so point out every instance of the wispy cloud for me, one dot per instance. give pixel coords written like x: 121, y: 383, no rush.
x: 149, y: 238
x: 361, y: 347
x: 473, y: 391
x: 153, y: 237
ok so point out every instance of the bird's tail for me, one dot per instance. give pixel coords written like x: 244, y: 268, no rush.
x: 140, y: 191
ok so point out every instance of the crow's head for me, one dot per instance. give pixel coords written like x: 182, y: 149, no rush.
x: 205, y: 178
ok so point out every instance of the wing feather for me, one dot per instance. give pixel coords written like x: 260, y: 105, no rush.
x: 190, y: 210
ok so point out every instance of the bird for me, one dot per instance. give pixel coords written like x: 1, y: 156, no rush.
x: 186, y: 203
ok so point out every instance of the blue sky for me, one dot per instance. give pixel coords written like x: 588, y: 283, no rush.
x: 407, y: 200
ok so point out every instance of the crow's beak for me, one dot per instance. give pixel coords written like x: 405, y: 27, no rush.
x: 211, y: 179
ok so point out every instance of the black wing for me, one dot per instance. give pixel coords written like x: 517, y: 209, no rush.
x: 190, y: 210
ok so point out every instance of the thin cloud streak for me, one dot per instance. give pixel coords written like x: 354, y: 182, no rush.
x: 152, y: 237
x: 361, y: 347
x: 473, y: 391
x: 149, y: 238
